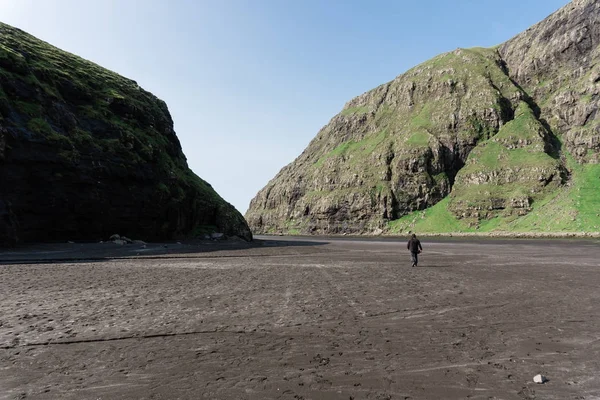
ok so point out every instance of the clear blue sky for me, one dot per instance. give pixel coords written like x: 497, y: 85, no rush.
x: 250, y: 83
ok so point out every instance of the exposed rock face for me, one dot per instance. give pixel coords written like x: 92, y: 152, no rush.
x: 85, y: 153
x: 481, y: 127
x: 556, y: 61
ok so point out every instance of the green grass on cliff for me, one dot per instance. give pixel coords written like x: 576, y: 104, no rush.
x: 421, y: 120
x: 574, y: 208
x: 507, y: 170
x: 67, y: 78
x: 355, y: 150
x: 355, y: 110
x: 418, y: 139
x: 586, y: 197
x: 518, y: 144
x: 492, y: 156
x: 94, y: 96
x: 477, y: 63
x: 435, y: 219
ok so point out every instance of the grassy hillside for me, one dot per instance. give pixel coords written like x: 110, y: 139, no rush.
x: 573, y: 208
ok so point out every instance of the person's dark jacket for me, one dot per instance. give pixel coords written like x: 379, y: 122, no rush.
x: 414, y: 245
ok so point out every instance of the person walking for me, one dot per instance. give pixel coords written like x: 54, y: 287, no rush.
x: 414, y: 246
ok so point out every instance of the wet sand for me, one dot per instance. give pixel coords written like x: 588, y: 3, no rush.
x: 298, y: 318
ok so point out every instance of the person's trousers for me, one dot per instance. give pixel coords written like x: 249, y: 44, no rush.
x: 415, y: 258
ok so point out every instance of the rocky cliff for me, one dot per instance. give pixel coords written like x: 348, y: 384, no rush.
x: 474, y: 139
x: 85, y: 153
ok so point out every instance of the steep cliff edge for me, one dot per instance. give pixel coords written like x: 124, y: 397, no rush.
x: 483, y: 138
x: 85, y: 153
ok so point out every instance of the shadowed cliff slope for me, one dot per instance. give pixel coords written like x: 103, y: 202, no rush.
x: 474, y: 139
x: 85, y: 153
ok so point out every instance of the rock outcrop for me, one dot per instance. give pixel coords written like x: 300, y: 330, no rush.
x: 557, y: 63
x: 489, y: 131
x: 85, y: 153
